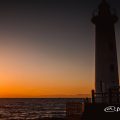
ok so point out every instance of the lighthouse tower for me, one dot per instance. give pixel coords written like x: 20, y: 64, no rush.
x: 106, y: 65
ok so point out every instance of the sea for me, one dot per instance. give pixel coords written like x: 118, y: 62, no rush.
x: 34, y: 108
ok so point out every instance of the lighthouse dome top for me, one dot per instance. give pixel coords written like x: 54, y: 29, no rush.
x: 104, y: 8
x: 104, y: 13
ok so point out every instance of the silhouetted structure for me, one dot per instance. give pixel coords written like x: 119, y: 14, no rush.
x: 74, y: 110
x: 106, y: 65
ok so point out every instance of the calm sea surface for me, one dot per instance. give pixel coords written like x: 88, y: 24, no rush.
x: 18, y: 109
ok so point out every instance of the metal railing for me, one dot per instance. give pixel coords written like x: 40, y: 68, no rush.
x: 112, y: 96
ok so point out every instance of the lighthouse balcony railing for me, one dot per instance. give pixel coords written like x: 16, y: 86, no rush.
x: 106, y: 97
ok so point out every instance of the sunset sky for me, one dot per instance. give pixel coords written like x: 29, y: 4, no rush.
x: 47, y: 47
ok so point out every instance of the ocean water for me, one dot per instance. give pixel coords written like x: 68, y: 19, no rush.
x: 34, y: 108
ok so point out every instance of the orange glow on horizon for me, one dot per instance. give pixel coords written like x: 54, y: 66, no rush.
x: 25, y: 74
x: 21, y: 88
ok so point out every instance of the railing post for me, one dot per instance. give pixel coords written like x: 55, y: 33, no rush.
x: 118, y: 97
x: 110, y: 96
x: 93, y: 96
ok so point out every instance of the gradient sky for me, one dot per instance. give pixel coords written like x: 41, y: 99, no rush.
x: 47, y: 47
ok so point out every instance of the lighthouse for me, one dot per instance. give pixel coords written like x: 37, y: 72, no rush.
x: 106, y: 64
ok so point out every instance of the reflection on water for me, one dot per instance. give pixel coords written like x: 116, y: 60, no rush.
x: 18, y: 109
